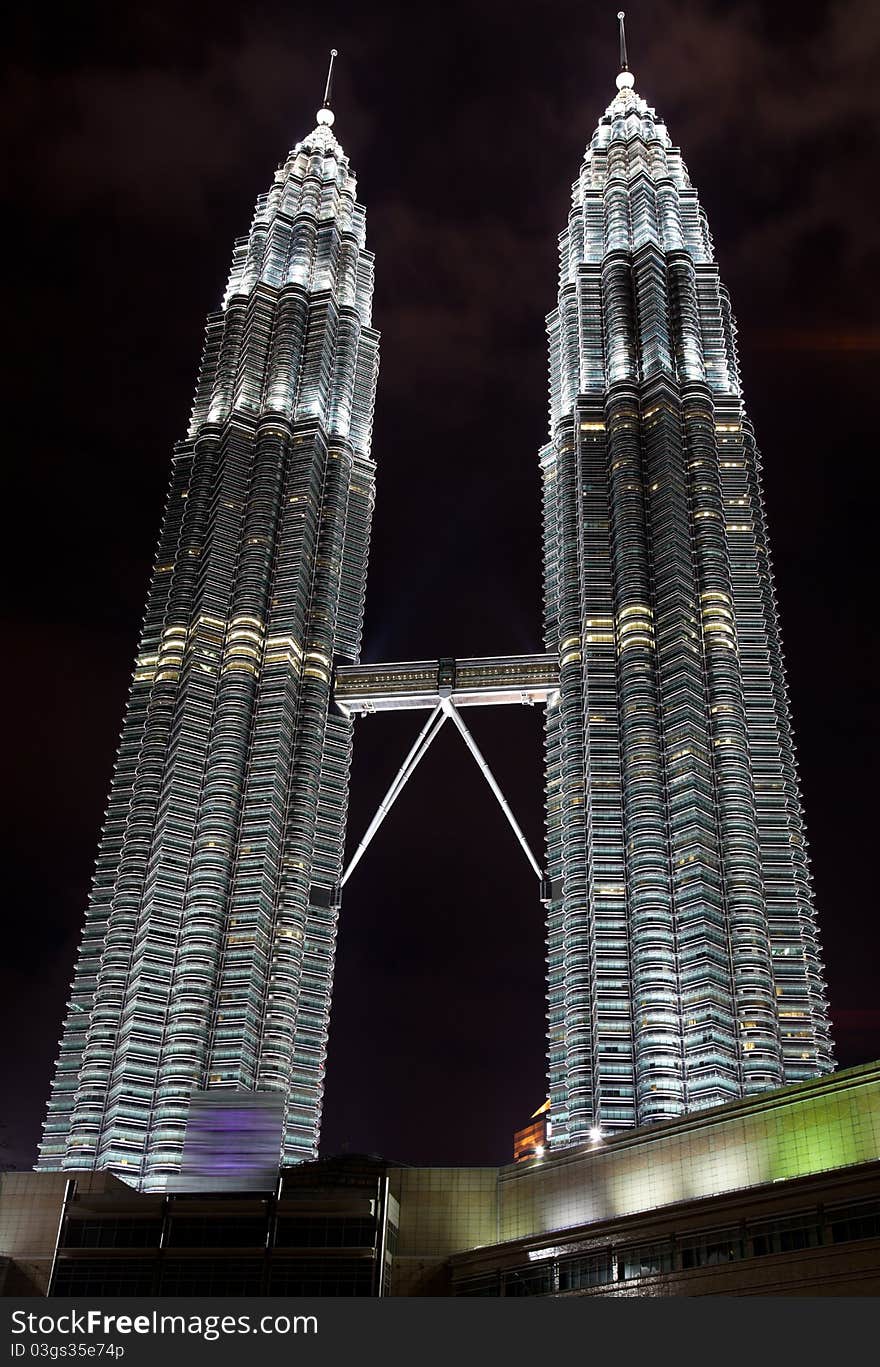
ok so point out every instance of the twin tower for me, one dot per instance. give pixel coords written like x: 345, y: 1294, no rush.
x: 684, y: 965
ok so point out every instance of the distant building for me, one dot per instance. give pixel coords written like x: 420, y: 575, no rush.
x: 532, y: 1140
x: 773, y: 1194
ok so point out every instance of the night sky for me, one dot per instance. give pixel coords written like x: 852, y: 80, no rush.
x: 137, y: 139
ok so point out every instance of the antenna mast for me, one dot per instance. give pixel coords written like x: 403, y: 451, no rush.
x: 333, y: 55
x: 621, y: 16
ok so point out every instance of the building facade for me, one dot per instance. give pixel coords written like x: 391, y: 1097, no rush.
x: 533, y: 1139
x: 684, y: 963
x: 776, y: 1194
x: 207, y: 956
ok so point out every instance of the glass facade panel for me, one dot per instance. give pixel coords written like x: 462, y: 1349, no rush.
x: 112, y: 1234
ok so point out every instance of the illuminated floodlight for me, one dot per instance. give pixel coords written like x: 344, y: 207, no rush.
x: 595, y: 1134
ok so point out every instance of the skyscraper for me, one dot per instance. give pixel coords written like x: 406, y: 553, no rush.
x: 684, y: 968
x: 207, y: 955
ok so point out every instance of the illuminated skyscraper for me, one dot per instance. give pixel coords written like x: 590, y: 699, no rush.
x: 684, y: 967
x: 684, y: 962
x: 207, y: 956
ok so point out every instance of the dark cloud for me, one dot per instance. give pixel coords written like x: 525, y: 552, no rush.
x: 160, y: 121
x: 156, y: 141
x: 785, y: 112
x: 464, y: 299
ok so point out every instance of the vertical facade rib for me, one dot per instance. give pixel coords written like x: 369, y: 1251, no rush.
x: 207, y: 955
x: 683, y: 958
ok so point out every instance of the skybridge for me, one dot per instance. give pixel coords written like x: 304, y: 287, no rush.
x: 488, y: 681
x: 443, y: 687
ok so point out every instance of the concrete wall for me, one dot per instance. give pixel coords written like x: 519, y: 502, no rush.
x: 820, y: 1126
x: 809, y: 1128
x: 30, y: 1209
x: 442, y: 1211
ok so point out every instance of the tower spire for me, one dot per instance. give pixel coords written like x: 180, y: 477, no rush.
x: 333, y: 55
x: 625, y: 79
x: 325, y: 114
x: 621, y: 17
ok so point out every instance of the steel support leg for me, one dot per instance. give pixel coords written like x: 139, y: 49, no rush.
x: 451, y: 710
x: 423, y: 741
